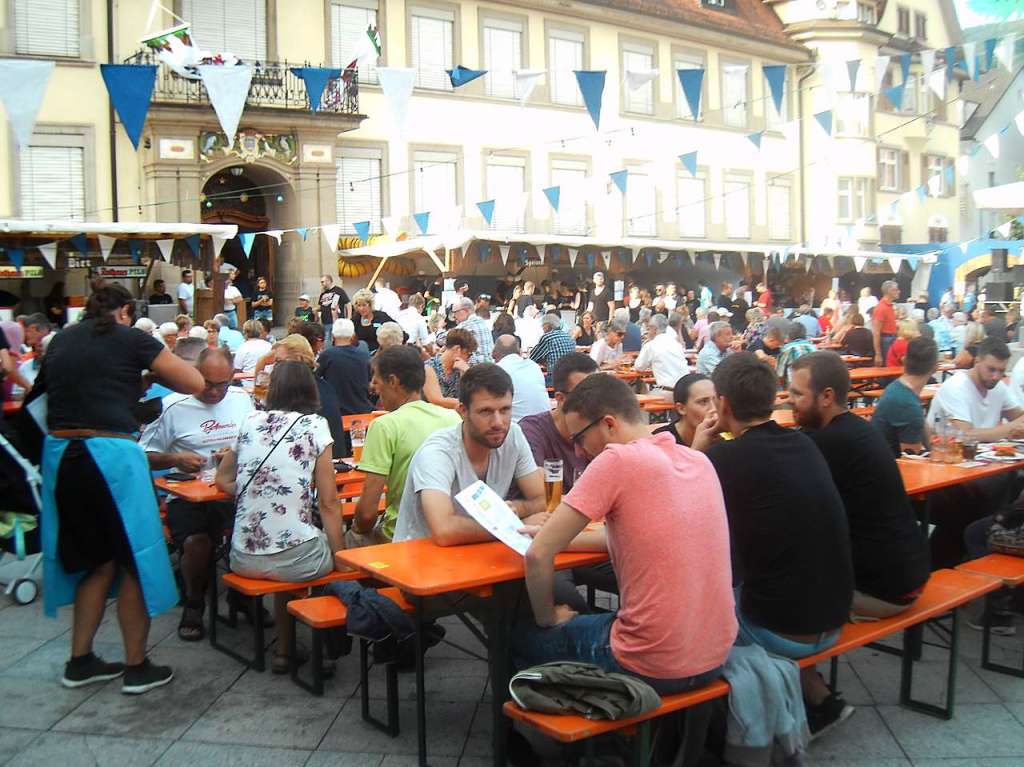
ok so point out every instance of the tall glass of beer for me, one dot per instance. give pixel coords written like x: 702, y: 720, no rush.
x: 552, y: 483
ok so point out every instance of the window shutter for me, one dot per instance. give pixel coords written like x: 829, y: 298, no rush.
x: 779, y: 211
x: 47, y: 27
x: 904, y: 171
x: 506, y: 182
x: 641, y: 206
x: 502, y: 54
x: 348, y: 28
x: 229, y: 26
x: 737, y: 205
x: 690, y: 199
x: 566, y: 55
x: 358, y: 189
x: 52, y: 182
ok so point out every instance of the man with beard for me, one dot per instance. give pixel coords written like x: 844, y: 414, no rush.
x: 487, y: 446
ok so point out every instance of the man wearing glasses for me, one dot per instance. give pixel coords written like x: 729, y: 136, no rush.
x: 190, y: 436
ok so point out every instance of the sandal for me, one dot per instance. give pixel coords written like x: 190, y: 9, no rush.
x: 190, y: 627
x: 280, y: 664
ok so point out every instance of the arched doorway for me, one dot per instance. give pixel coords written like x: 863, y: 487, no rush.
x: 256, y: 199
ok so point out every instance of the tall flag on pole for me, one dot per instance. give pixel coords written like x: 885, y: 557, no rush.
x: 316, y: 79
x: 22, y: 86
x: 691, y: 81
x: 775, y: 74
x: 591, y: 86
x: 130, y: 87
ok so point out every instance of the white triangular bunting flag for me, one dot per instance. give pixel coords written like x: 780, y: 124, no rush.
x: 330, y: 233
x: 1004, y: 229
x: 928, y: 61
x: 228, y: 89
x: 859, y: 261
x: 963, y: 164
x: 526, y: 81
x: 937, y: 82
x: 573, y: 253
x: 1005, y: 50
x: 831, y: 261
x: 167, y: 247
x: 504, y: 249
x: 970, y: 58
x: 275, y: 233
x: 992, y: 145
x: 106, y: 243
x: 218, y: 245
x: 49, y: 253
x: 808, y: 263
x: 881, y: 66
x: 717, y: 258
x: 541, y: 253
x: 606, y: 256
x: 636, y: 255
x: 638, y: 78
x: 397, y: 83
x: 391, y: 225
x: 22, y: 87
x: 693, y: 257
x: 935, y: 185
x: 894, y: 264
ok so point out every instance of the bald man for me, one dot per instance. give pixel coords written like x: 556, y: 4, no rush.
x: 529, y: 393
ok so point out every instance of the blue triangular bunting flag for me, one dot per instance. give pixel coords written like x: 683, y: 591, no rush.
x: 922, y: 191
x: 852, y: 68
x: 825, y: 120
x: 554, y: 195
x: 755, y: 138
x: 990, y: 49
x: 689, y: 161
x: 592, y: 88
x: 130, y: 87
x: 484, y: 252
x: 17, y: 256
x: 193, y: 242
x: 247, y: 240
x: 775, y: 74
x: 316, y: 79
x: 895, y: 95
x: 692, y: 81
x: 619, y: 177
x: 950, y: 62
x: 363, y: 230
x: 912, y: 260
x: 80, y: 243
x: 461, y: 75
x: 302, y: 232
x: 649, y: 257
x: 422, y: 220
x: 486, y: 208
x: 947, y: 174
x: 905, y: 64
x: 135, y: 248
x: 590, y: 260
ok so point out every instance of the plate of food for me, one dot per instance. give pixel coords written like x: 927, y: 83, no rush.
x: 1001, y: 451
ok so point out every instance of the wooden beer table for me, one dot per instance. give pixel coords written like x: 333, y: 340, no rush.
x: 871, y: 373
x: 350, y: 483
x: 422, y: 569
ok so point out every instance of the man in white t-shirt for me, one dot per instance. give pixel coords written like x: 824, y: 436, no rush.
x: 186, y: 293
x: 530, y: 393
x: 190, y: 435
x: 663, y: 355
x: 606, y: 351
x: 232, y: 298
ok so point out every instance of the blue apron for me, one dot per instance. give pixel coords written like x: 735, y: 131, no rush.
x: 124, y: 467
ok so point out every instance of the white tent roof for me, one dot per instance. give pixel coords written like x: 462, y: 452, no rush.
x: 1008, y: 198
x: 139, y: 230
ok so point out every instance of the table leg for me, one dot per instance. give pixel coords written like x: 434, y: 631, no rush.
x: 498, y: 650
x: 421, y: 689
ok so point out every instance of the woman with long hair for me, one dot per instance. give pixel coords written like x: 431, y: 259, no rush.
x: 100, y: 522
x: 585, y: 333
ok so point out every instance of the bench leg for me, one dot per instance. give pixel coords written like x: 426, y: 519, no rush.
x: 421, y: 690
x: 986, y: 646
x: 833, y: 673
x: 911, y: 639
x: 391, y: 686
x: 641, y: 745
x: 257, y: 661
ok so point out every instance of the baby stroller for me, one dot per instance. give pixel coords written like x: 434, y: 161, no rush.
x: 20, y: 507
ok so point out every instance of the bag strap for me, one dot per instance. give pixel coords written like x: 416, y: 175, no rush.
x: 269, y: 453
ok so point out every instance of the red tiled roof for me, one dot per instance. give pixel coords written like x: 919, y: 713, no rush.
x: 750, y: 18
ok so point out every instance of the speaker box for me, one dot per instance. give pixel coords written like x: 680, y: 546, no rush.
x: 999, y: 291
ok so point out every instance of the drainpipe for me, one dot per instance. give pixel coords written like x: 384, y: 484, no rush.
x: 803, y: 187
x: 110, y: 116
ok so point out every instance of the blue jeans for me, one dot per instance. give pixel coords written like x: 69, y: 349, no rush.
x: 263, y: 314
x: 776, y: 644
x: 587, y: 638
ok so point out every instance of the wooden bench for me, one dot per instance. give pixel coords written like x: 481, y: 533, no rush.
x: 946, y: 590
x: 325, y: 613
x: 254, y: 589
x: 1010, y: 572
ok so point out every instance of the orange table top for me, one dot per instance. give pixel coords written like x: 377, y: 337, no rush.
x: 424, y: 569
x: 1010, y: 570
x: 240, y: 376
x: 923, y: 476
x: 197, y: 491
x: 926, y: 395
x: 866, y: 374
x: 12, y: 406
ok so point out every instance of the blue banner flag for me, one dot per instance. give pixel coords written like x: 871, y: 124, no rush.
x: 130, y: 87
x: 17, y: 256
x: 619, y: 177
x: 825, y: 120
x: 461, y: 75
x: 486, y: 208
x: 316, y: 79
x: 193, y: 242
x: 247, y: 240
x: 591, y: 86
x: 422, y: 220
x: 775, y: 74
x: 755, y: 138
x: 363, y: 230
x: 691, y: 81
x: 554, y: 195
x: 689, y: 161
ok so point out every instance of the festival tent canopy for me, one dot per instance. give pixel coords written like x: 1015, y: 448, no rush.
x: 1008, y: 198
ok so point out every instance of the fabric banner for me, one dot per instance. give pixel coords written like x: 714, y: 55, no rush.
x: 22, y: 87
x: 990, y: 50
x: 573, y: 253
x: 526, y: 81
x: 17, y: 256
x: 636, y: 255
x: 247, y: 239
x: 937, y: 82
x: 649, y: 258
x: 554, y: 195
x: 935, y: 185
x: 1019, y: 122
x: 922, y: 192
x: 775, y: 74
x: 228, y: 88
x: 825, y: 120
x: 504, y: 249
x: 166, y: 247
x: 106, y: 245
x: 859, y: 262
x: 80, y: 243
x: 905, y: 65
x: 1004, y: 229
x: 461, y: 75
x: 808, y: 263
x: 689, y: 161
x: 881, y: 67
x: 992, y: 145
x: 391, y: 225
x: 852, y: 68
x: 591, y: 85
x: 49, y: 253
x: 330, y: 233
x: 755, y: 138
x: 895, y: 94
x: 928, y: 61
x: 638, y: 78
x: 1005, y: 50
x: 193, y: 242
x: 486, y: 208
x: 619, y: 178
x: 717, y: 258
x: 276, y: 233
x: 606, y: 256
x: 316, y: 79
x: 422, y: 221
x: 691, y: 81
x: 362, y: 231
x: 218, y: 244
x: 135, y: 248
x: 299, y: 230
x: 894, y: 264
x: 130, y: 87
x: 397, y: 83
x: 950, y: 58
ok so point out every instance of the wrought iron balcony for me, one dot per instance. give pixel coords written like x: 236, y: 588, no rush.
x: 273, y: 86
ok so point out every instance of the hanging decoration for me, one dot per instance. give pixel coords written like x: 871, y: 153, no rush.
x: 247, y: 239
x: 315, y: 79
x: 362, y: 230
x: 486, y: 208
x: 591, y: 85
x: 22, y: 86
x: 130, y: 87
x: 692, y: 81
x: 775, y: 74
x: 397, y: 84
x: 689, y: 161
x: 526, y: 81
x: 755, y: 138
x: 825, y: 120
x: 619, y: 179
x: 106, y: 245
x: 49, y: 253
x: 330, y: 233
x: 638, y: 78
x: 228, y: 89
x: 554, y: 194
x: 166, y: 247
x: 422, y: 221
x: 461, y: 75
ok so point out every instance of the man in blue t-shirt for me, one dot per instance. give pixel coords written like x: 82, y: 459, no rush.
x: 899, y: 414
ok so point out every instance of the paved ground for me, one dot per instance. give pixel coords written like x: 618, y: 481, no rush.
x: 217, y: 713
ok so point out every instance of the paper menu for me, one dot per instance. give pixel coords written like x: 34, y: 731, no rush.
x: 494, y: 515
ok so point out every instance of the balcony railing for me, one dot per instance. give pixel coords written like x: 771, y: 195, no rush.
x: 273, y: 86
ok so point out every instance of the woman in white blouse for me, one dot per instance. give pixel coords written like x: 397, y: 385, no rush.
x: 280, y: 472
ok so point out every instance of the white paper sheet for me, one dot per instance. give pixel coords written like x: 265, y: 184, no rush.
x: 494, y: 515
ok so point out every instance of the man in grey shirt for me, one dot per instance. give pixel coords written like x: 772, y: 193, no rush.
x: 487, y: 446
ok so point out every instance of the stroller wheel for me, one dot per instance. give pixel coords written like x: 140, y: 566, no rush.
x: 25, y: 591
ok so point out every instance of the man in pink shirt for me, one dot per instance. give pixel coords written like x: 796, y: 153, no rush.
x: 676, y: 621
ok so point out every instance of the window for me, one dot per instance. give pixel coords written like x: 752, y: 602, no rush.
x: 903, y: 21
x: 51, y: 177
x: 349, y: 22
x: 890, y: 235
x: 853, y: 114
x: 571, y: 178
x: 866, y: 13
x: 736, y: 198
x: 854, y: 198
x: 435, y: 186
x: 779, y: 210
x: 229, y: 26
x: 936, y: 165
x: 687, y: 61
x: 432, y: 46
x: 638, y: 57
x: 47, y: 28
x: 691, y: 213
x: 503, y: 53
x: 920, y: 27
x: 358, y: 187
x: 890, y: 170
x: 565, y: 54
x: 641, y: 205
x: 735, y: 82
x: 506, y: 182
x: 775, y: 119
x: 938, y: 234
